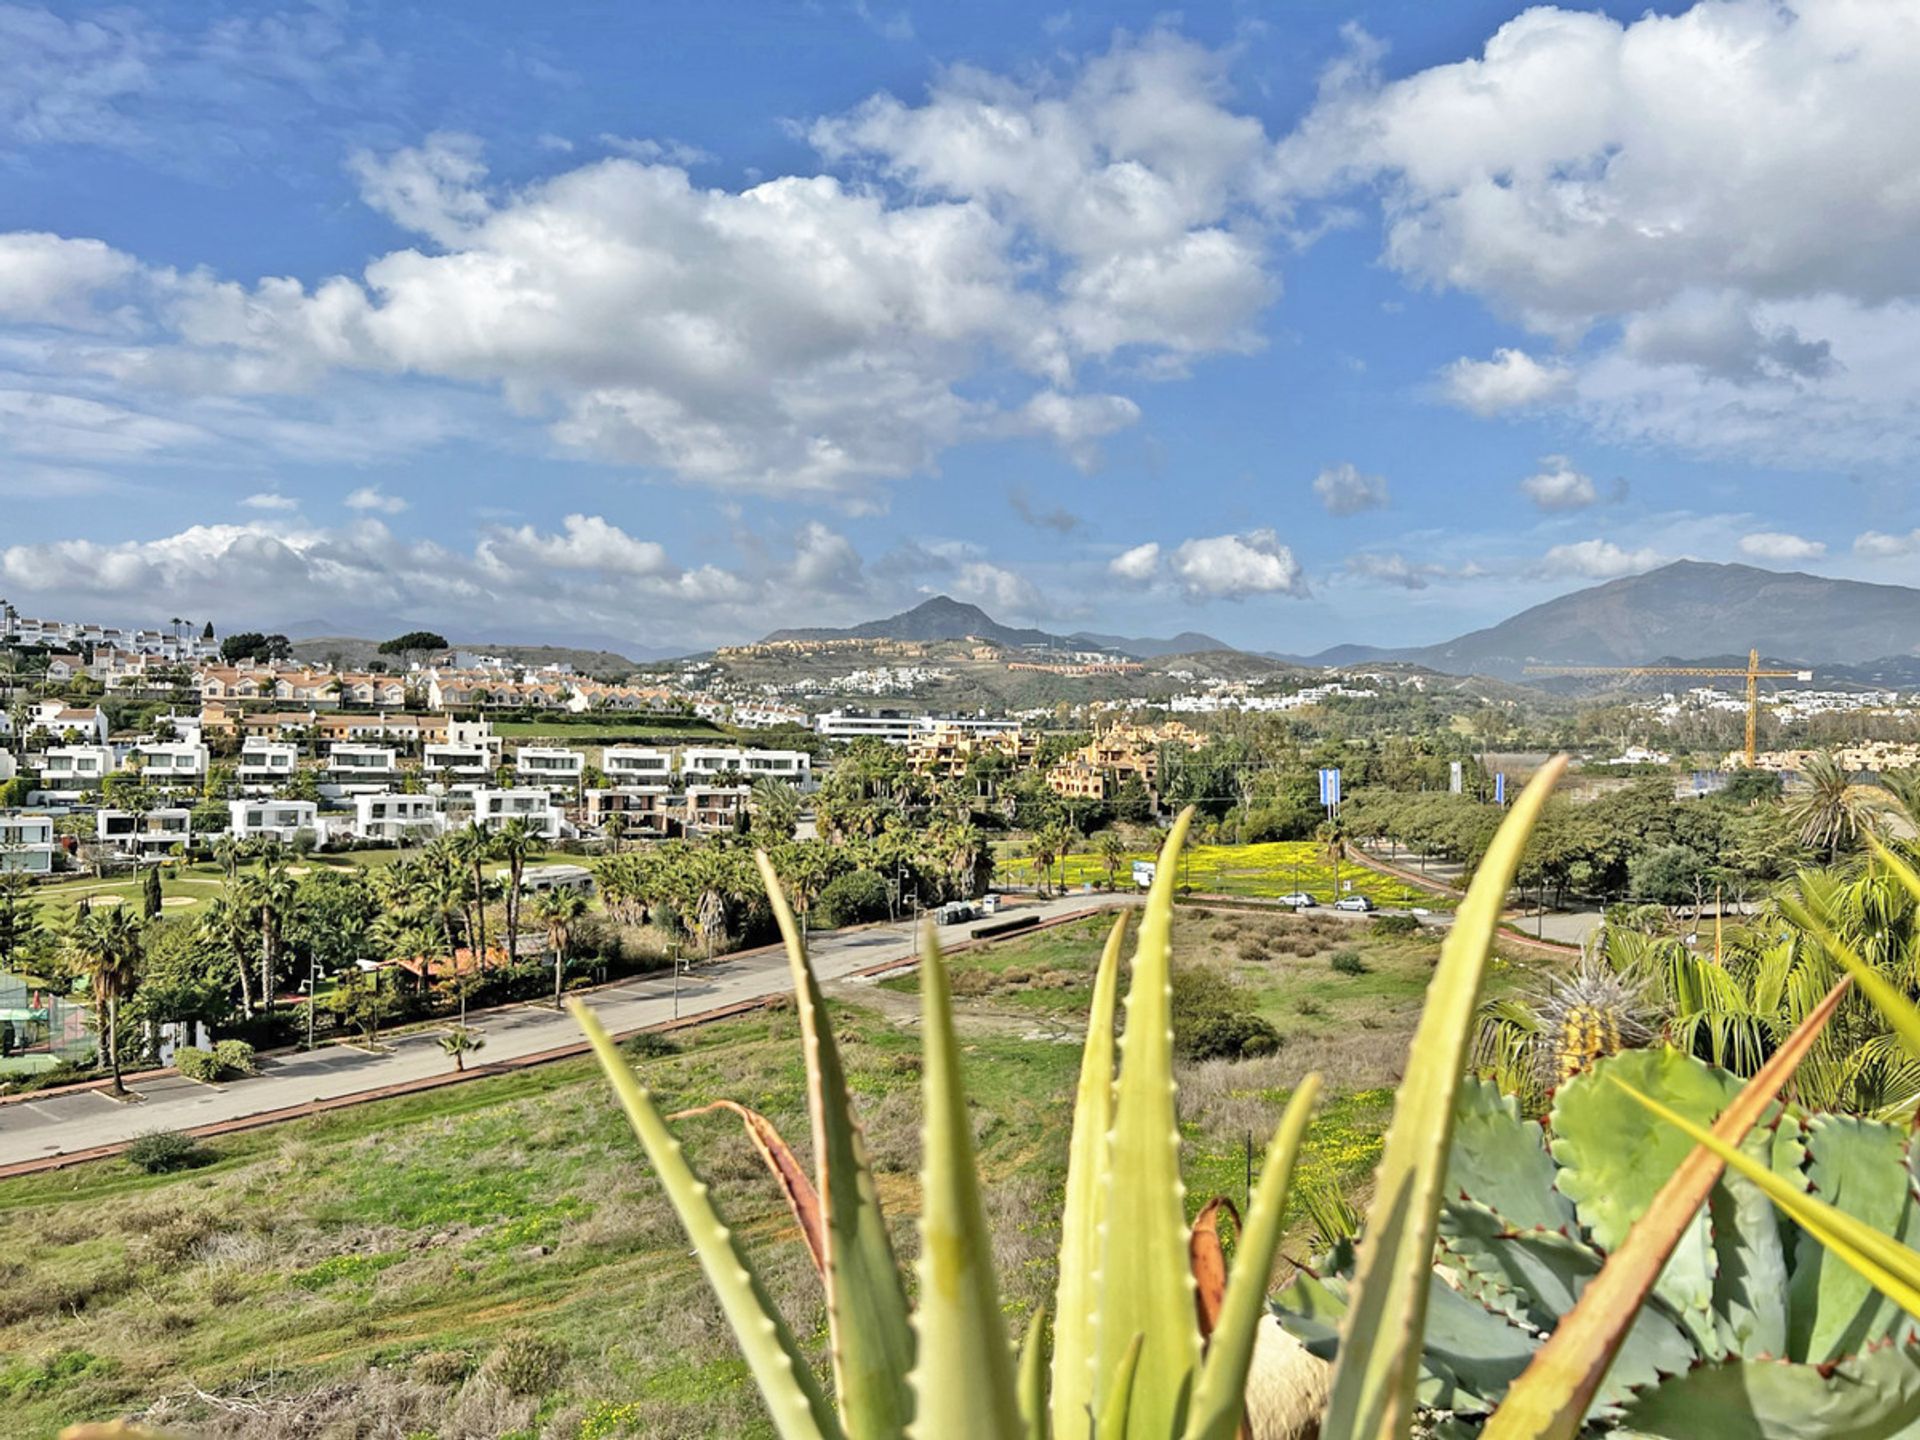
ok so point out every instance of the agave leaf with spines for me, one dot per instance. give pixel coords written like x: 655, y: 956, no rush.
x: 963, y: 1376
x: 1146, y: 1285
x: 1860, y: 1166
x: 1077, y: 1298
x: 1374, y: 1386
x: 794, y: 1401
x: 1500, y: 1160
x: 1871, y: 1396
x: 868, y: 1329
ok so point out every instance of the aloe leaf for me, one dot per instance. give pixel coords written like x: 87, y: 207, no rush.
x: 963, y: 1381
x: 1860, y: 1167
x: 1874, y: 1396
x: 802, y: 1199
x: 1146, y: 1283
x: 1033, y: 1376
x: 1116, y: 1416
x: 798, y: 1409
x: 871, y: 1339
x: 1075, y: 1299
x: 1553, y: 1398
x: 1373, y: 1386
x: 1220, y: 1396
x: 1890, y: 1267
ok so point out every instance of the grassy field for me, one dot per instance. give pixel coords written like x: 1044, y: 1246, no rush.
x: 496, y: 1260
x: 1263, y: 871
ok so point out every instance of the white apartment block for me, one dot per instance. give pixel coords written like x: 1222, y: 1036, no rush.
x: 397, y: 818
x: 26, y: 842
x: 493, y: 808
x: 268, y: 763
x: 548, y: 765
x: 370, y: 766
x: 76, y: 767
x: 795, y: 767
x: 152, y: 833
x: 459, y: 760
x: 636, y: 765
x: 888, y: 725
x: 281, y: 819
x: 171, y: 762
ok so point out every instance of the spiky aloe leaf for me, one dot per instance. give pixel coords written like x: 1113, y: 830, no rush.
x: 963, y: 1380
x: 802, y: 1199
x: 1612, y: 1164
x: 1076, y: 1299
x: 871, y: 1338
x: 1861, y: 1167
x: 1220, y: 1396
x: 1033, y: 1376
x: 1890, y: 1267
x: 1116, y: 1415
x: 793, y: 1399
x: 1146, y: 1285
x: 1501, y: 1161
x: 1373, y: 1387
x: 1875, y: 1396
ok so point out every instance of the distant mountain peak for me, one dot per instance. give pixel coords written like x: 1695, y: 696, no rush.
x: 941, y: 617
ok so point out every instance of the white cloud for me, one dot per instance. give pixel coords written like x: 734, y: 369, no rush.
x: 373, y: 499
x: 1711, y: 215
x: 1345, y: 491
x: 589, y: 542
x: 1778, y: 545
x: 825, y: 559
x: 271, y: 500
x: 997, y: 590
x: 1878, y: 545
x: 1139, y: 564
x: 1598, y: 560
x: 1512, y: 380
x: 49, y: 280
x: 1558, y: 486
x: 1390, y: 568
x: 1231, y: 566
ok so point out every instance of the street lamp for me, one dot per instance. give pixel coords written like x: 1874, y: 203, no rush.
x: 313, y: 985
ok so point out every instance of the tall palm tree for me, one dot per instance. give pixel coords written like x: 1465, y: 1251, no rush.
x: 105, y: 945
x: 776, y: 807
x: 475, y: 845
x: 1043, y: 851
x: 1113, y: 853
x: 226, y: 854
x: 270, y: 893
x: 1832, y: 811
x: 558, y: 911
x: 226, y: 925
x: 515, y: 843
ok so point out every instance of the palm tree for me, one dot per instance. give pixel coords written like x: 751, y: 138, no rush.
x: 270, y: 894
x: 474, y: 845
x: 516, y: 841
x: 776, y: 807
x: 227, y: 926
x: 1832, y: 810
x: 1044, y: 841
x: 226, y: 854
x: 558, y: 910
x: 461, y: 1042
x: 105, y: 945
x: 1113, y: 853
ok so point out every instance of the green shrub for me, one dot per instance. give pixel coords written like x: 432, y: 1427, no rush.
x: 650, y: 1043
x: 1395, y: 926
x: 235, y: 1057
x: 1222, y: 1036
x: 160, y: 1152
x: 196, y: 1064
x: 525, y: 1363
x: 442, y: 1367
x: 1348, y: 962
x: 852, y: 899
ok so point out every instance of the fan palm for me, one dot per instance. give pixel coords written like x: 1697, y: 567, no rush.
x: 269, y: 894
x: 105, y: 946
x: 558, y: 911
x: 515, y: 843
x: 1832, y: 812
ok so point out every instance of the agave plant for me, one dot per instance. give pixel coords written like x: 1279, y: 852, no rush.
x: 1753, y: 1327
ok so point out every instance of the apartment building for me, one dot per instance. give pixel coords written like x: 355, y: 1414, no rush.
x: 493, y: 808
x: 549, y: 765
x: 171, y: 762
x: 75, y: 768
x: 397, y: 819
x: 146, y: 834
x: 26, y: 842
x: 646, y: 811
x: 267, y: 764
x: 458, y: 761
x: 280, y: 819
x: 362, y: 767
x: 715, y: 807
x: 893, y: 726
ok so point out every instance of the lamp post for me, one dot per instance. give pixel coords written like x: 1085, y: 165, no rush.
x: 313, y: 985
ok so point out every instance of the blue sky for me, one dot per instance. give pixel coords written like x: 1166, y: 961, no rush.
x: 664, y: 325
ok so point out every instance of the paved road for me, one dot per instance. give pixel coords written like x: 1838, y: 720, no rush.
x: 61, y: 1124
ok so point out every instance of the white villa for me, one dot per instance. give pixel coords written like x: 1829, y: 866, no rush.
x: 76, y: 767
x: 362, y: 765
x: 171, y: 762
x: 397, y: 818
x: 281, y: 819
x: 152, y: 833
x: 493, y: 808
x: 548, y: 765
x: 268, y: 763
x: 636, y: 765
x: 26, y: 842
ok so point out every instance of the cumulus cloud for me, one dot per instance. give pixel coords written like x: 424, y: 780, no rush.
x: 995, y: 589
x: 1390, y: 568
x: 1232, y: 566
x: 1716, y: 272
x: 1139, y: 565
x: 1598, y: 560
x: 1779, y: 545
x: 1879, y: 545
x: 270, y: 500
x: 1345, y: 491
x: 371, y: 498
x: 1558, y: 486
x: 585, y: 542
x: 1057, y: 519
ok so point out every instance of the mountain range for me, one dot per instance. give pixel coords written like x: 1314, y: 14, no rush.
x: 944, y: 618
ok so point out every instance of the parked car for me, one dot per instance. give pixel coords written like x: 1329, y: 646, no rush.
x: 956, y: 912
x: 989, y: 904
x: 1300, y: 900
x: 1353, y: 902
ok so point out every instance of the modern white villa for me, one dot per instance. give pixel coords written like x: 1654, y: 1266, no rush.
x: 76, y: 767
x: 397, y: 819
x: 281, y: 819
x: 146, y: 834
x: 26, y: 842
x: 266, y: 764
x: 493, y: 808
x: 548, y: 765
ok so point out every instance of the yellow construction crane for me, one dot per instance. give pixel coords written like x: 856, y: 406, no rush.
x: 1753, y: 673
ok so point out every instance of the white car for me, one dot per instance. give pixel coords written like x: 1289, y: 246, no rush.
x: 1300, y: 900
x: 1353, y: 902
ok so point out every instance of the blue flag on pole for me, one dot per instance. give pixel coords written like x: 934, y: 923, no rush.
x: 1330, y: 787
x: 1500, y: 788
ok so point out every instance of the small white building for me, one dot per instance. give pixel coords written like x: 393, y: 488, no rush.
x: 152, y: 833
x: 464, y: 760
x: 268, y: 764
x: 26, y: 842
x: 705, y: 762
x: 358, y: 767
x: 76, y: 767
x: 397, y: 819
x: 171, y: 762
x: 493, y: 808
x: 57, y: 719
x: 281, y: 819
x: 636, y: 765
x: 548, y: 765
x: 536, y: 878
x: 794, y: 767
